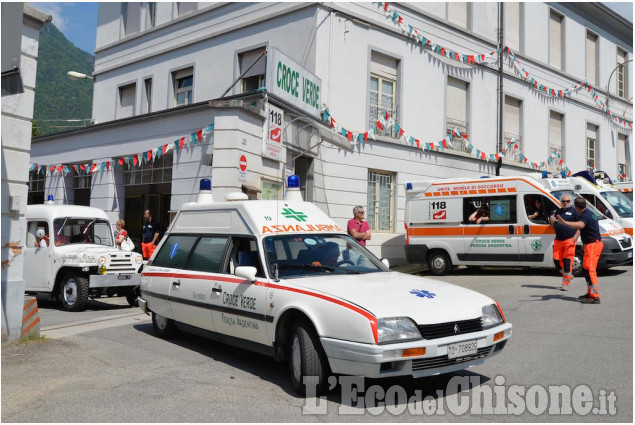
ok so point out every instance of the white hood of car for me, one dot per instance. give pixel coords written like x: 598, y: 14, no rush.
x: 90, y: 249
x: 393, y: 294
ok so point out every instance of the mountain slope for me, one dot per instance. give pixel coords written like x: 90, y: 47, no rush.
x: 56, y: 96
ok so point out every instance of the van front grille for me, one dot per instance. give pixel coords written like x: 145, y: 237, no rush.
x: 121, y: 263
x: 441, y: 361
x: 441, y: 330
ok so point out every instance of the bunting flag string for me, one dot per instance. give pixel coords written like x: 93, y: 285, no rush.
x: 134, y: 160
x: 385, y: 122
x: 478, y: 58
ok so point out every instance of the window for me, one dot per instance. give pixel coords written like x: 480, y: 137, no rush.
x: 159, y: 170
x: 255, y: 77
x: 244, y: 252
x: 151, y: 15
x: 621, y: 73
x: 126, y: 101
x: 81, y: 184
x: 486, y: 210
x: 555, y: 135
x: 383, y: 89
x: 458, y: 13
x: 555, y: 39
x: 208, y: 254
x: 82, y: 231
x: 381, y: 195
x: 37, y: 183
x: 131, y: 17
x: 511, y: 11
x: 456, y: 110
x: 591, y: 58
x: 512, y: 127
x: 591, y: 146
x: 32, y: 240
x: 538, y: 208
x: 147, y: 96
x: 622, y: 154
x: 174, y: 251
x: 271, y: 190
x: 185, y: 8
x: 183, y: 81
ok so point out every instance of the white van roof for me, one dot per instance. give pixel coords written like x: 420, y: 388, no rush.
x: 53, y: 211
x: 259, y: 218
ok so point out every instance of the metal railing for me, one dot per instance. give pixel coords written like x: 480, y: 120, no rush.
x: 555, y: 161
x: 512, y: 154
x: 457, y: 144
x: 374, y: 114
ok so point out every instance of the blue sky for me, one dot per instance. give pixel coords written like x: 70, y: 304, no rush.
x: 78, y: 20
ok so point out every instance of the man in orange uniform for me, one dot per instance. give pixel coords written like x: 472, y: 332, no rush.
x: 566, y: 238
x: 590, y: 234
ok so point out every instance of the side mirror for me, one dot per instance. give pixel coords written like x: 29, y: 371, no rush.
x: 386, y: 262
x: 246, y: 272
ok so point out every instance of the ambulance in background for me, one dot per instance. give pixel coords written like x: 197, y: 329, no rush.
x: 626, y: 188
x: 444, y: 227
x: 605, y: 197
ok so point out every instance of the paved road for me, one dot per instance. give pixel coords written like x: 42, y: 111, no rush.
x: 116, y: 370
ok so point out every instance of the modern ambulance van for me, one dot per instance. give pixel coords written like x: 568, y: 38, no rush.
x: 281, y: 278
x: 606, y: 198
x: 499, y: 221
x: 626, y: 188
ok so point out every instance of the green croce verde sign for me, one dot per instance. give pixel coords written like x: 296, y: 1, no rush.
x: 297, y: 215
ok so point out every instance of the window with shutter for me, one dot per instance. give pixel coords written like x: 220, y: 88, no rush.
x: 185, y: 8
x: 255, y: 77
x: 183, y: 82
x: 621, y: 148
x: 126, y: 101
x: 457, y: 13
x: 511, y: 125
x: 556, y: 144
x: 456, y: 105
x: 555, y: 40
x: 591, y: 146
x: 621, y: 73
x: 383, y: 89
x: 131, y: 15
x: 512, y: 25
x: 591, y: 63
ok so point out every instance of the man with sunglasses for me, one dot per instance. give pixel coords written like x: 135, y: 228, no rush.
x: 358, y: 227
x: 566, y: 237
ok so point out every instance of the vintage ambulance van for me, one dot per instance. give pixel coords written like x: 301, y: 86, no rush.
x: 500, y: 221
x: 606, y: 198
x: 281, y: 278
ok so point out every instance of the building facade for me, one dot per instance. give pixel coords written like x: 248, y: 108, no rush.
x: 337, y: 74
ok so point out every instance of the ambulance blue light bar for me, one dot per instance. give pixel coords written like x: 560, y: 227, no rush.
x: 408, y: 186
x: 50, y: 198
x: 205, y: 184
x: 293, y: 181
x: 545, y: 174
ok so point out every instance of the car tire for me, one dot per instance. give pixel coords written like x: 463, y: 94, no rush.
x: 307, y: 358
x: 439, y: 263
x: 131, y: 296
x: 576, y: 267
x: 164, y: 327
x: 74, y: 292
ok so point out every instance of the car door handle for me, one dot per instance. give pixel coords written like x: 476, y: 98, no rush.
x: 176, y: 282
x: 510, y: 230
x: 526, y: 229
x: 217, y: 289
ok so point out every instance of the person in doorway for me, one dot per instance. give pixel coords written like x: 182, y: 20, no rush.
x: 566, y: 238
x: 590, y: 234
x: 358, y: 228
x: 121, y: 233
x: 149, y: 235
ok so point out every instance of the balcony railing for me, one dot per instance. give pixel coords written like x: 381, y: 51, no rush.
x: 555, y: 162
x: 453, y: 124
x: 374, y: 114
x: 512, y: 154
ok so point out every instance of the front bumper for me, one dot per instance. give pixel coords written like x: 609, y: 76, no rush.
x: 378, y: 361
x: 114, y: 280
x: 613, y: 254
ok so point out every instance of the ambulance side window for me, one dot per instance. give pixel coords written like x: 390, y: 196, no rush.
x: 208, y: 254
x: 175, y: 251
x: 32, y: 240
x: 244, y: 252
x: 489, y: 210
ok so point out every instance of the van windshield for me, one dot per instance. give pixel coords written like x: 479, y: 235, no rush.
x: 558, y: 194
x: 621, y: 203
x: 315, y: 254
x: 68, y: 231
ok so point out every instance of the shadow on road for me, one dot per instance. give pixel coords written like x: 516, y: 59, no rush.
x: 45, y: 302
x: 277, y: 373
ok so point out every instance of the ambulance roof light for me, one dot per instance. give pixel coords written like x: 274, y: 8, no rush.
x: 49, y: 200
x: 293, y: 181
x: 205, y: 184
x: 563, y: 174
x: 408, y: 186
x: 205, y: 192
x: 545, y: 174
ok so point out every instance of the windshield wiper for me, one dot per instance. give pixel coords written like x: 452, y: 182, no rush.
x: 62, y: 226
x: 88, y: 226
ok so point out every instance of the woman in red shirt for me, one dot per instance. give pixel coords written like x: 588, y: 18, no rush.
x: 121, y: 233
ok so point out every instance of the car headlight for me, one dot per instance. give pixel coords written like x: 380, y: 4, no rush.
x: 85, y: 257
x: 491, y: 316
x: 396, y: 329
x: 101, y: 260
x: 138, y: 259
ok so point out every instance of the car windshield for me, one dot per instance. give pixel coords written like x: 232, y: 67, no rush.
x: 558, y: 194
x: 315, y: 254
x: 619, y: 202
x: 68, y: 231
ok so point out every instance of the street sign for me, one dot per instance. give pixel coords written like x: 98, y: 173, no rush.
x: 272, y: 134
x: 243, y: 163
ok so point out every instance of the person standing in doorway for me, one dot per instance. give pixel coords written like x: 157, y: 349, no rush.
x: 358, y: 227
x: 566, y: 238
x: 590, y: 234
x: 149, y: 235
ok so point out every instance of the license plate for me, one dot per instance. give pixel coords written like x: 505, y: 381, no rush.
x: 630, y: 254
x: 462, y: 349
x: 124, y: 276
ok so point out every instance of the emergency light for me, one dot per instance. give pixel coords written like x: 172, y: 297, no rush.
x: 545, y: 174
x: 293, y: 189
x: 205, y: 192
x: 49, y: 200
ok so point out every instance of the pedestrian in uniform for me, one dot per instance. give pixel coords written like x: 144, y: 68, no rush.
x: 149, y: 235
x: 590, y: 234
x: 358, y: 227
x: 566, y: 238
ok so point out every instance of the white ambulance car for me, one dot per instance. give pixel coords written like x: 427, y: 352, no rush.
x: 281, y: 278
x: 500, y: 221
x: 70, y: 253
x: 626, y: 188
x: 606, y: 198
